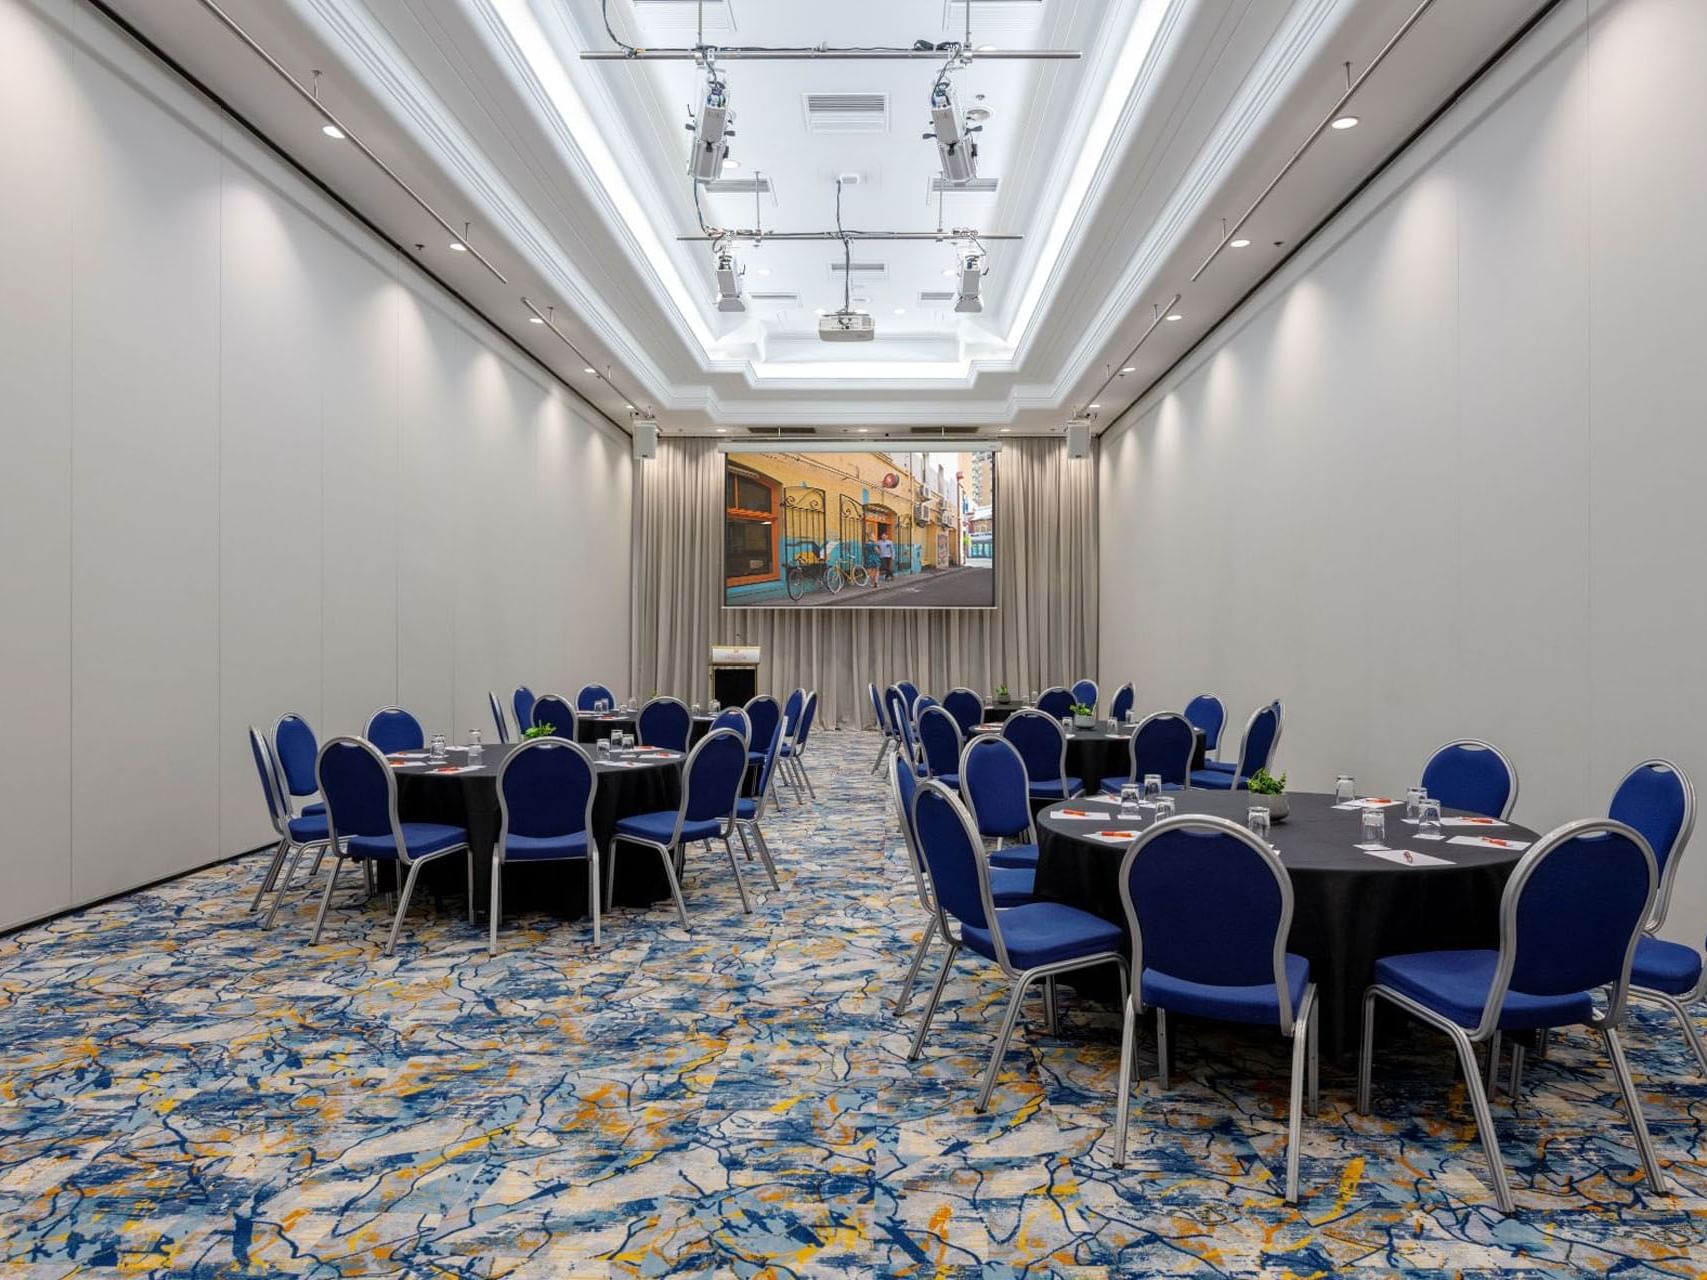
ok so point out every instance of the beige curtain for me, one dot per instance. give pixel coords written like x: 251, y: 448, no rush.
x: 1043, y: 630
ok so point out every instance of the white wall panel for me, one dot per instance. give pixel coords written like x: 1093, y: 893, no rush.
x: 1441, y: 477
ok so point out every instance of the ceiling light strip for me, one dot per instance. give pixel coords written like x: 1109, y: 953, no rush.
x: 237, y: 30
x: 550, y: 322
x: 1326, y: 123
x: 940, y: 237
x: 816, y: 53
x: 1161, y: 318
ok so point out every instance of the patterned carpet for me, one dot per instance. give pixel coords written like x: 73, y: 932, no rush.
x: 182, y: 1094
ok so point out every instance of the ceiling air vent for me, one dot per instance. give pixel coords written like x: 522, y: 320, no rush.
x: 861, y: 270
x: 846, y: 112
x: 737, y: 186
x: 945, y: 431
x: 937, y: 295
x: 976, y: 187
x: 780, y: 299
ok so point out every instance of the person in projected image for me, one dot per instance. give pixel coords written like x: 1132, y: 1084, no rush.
x: 886, y: 555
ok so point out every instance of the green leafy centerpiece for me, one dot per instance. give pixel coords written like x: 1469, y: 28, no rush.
x: 1083, y: 716
x: 540, y: 731
x: 1273, y: 792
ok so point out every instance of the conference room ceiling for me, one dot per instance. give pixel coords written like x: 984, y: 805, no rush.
x: 1118, y: 169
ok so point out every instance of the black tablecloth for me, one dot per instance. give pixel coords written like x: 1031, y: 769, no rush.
x: 470, y: 800
x: 1350, y: 909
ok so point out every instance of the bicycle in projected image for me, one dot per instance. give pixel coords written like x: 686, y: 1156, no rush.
x: 811, y: 568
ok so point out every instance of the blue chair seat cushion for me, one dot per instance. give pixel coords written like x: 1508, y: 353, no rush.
x: 309, y: 827
x: 1212, y: 780
x: 1012, y: 886
x: 1222, y: 766
x: 1259, y: 1004
x: 1057, y: 788
x: 315, y: 810
x: 1664, y: 966
x: 1455, y: 984
x: 421, y: 839
x: 545, y: 848
x: 657, y: 827
x: 949, y: 780
x: 747, y: 808
x: 1015, y: 855
x: 1046, y: 933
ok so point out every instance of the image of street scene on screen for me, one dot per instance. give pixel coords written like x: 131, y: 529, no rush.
x: 875, y: 530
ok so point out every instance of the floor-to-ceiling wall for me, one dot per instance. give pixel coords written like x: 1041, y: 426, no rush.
x: 1443, y: 475
x: 250, y: 461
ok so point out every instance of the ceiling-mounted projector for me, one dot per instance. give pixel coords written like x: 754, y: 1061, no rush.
x: 847, y: 326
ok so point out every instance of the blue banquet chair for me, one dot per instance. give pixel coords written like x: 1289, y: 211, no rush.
x: 994, y: 786
x: 1124, y: 697
x: 1472, y: 775
x: 295, y: 833
x: 1570, y: 917
x: 895, y: 702
x: 940, y: 743
x: 498, y: 717
x: 966, y: 707
x: 1161, y: 744
x: 1206, y: 712
x: 361, y: 807
x: 1031, y: 942
x: 733, y: 718
x: 521, y: 703
x: 1658, y: 799
x: 1209, y: 909
x: 1009, y: 886
x: 1256, y: 750
x: 794, y: 749
x: 665, y: 722
x: 545, y: 814
x: 763, y: 715
x: 1042, y: 744
x: 590, y: 695
x: 791, y: 709
x: 1055, y: 702
x: 750, y: 810
x: 884, y: 726
x: 1232, y: 766
x: 294, y: 749
x: 711, y: 785
x: 909, y: 693
x: 555, y: 710
x: 1086, y: 692
x: 393, y: 729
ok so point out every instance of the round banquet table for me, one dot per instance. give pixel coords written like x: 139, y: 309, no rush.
x: 1349, y: 907
x: 1099, y: 753
x: 649, y: 783
x: 592, y: 726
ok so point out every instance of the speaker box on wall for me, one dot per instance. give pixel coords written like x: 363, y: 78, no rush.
x: 1078, y: 440
x: 645, y: 440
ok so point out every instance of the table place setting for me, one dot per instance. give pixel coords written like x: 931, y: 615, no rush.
x: 1408, y: 857
x: 1113, y: 836
x: 1368, y: 802
x: 1462, y: 822
x: 1490, y: 842
x: 1085, y: 815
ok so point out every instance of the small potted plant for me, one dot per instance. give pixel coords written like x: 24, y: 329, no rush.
x: 1083, y: 717
x: 1273, y: 793
x: 1001, y: 693
x: 540, y: 731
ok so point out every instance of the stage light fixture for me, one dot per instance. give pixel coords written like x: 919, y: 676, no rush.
x: 729, y: 283
x: 957, y: 151
x: 711, y: 129
x: 969, y: 272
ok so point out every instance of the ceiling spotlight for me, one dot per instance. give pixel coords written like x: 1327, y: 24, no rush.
x: 591, y: 370
x: 1173, y: 315
x: 956, y: 150
x: 536, y: 319
x: 950, y: 273
x: 864, y: 430
x: 1005, y: 430
x: 1130, y: 369
x: 1345, y: 122
x: 722, y: 431
x: 823, y: 311
x: 459, y: 246
x: 1240, y: 244
x: 731, y: 164
x: 970, y: 271
x: 1093, y: 406
x: 709, y: 150
x: 729, y: 283
x: 763, y: 271
x: 332, y: 131
x: 900, y: 311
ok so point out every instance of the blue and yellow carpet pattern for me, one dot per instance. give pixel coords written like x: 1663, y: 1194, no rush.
x: 183, y: 1094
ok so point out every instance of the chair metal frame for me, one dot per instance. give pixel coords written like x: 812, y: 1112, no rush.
x: 1221, y: 729
x: 1020, y: 716
x: 794, y: 748
x: 921, y: 885
x: 1128, y: 687
x: 743, y: 827
x: 1132, y: 777
x: 666, y: 850
x: 959, y: 739
x: 664, y: 698
x: 498, y: 717
x: 572, y: 730
x: 1021, y: 978
x: 495, y: 908
x: 1299, y: 1025
x: 1606, y: 1021
x: 279, y: 811
x: 367, y: 730
x: 411, y: 864
x: 884, y: 727
x: 604, y: 691
x: 1505, y: 762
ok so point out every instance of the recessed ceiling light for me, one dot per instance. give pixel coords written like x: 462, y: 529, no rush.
x: 332, y: 131
x: 589, y: 369
x: 761, y: 271
x: 629, y: 407
x: 950, y: 274
x: 1130, y: 369
x: 821, y: 311
x: 900, y: 311
x: 1005, y: 430
x: 1240, y: 244
x: 723, y: 431
x: 1174, y: 315
x: 535, y: 320
x: 459, y: 246
x: 1095, y: 406
x: 731, y: 164
x: 1345, y: 122
x: 864, y: 430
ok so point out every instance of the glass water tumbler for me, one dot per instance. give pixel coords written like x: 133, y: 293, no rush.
x: 476, y: 749
x: 1164, y: 808
x: 1428, y: 819
x: 1374, y: 826
x: 437, y: 746
x: 1152, y: 788
x: 1129, y: 801
x: 1345, y: 789
x: 1257, y: 819
x: 1414, y: 797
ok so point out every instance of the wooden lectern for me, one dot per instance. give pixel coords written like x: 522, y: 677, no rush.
x: 734, y: 673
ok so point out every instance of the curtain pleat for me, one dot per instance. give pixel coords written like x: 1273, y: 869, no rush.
x: 1043, y: 630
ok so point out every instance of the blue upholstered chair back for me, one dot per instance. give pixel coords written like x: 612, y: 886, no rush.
x: 294, y: 747
x: 765, y: 715
x: 358, y: 788
x: 1471, y: 775
x: 903, y: 786
x: 1261, y: 734
x: 1086, y: 691
x: 910, y: 692
x: 767, y: 766
x: 1206, y: 712
x: 498, y: 717
x: 394, y: 729
x: 924, y: 700
x: 951, y: 854
x: 736, y: 719
x: 554, y: 709
x: 712, y: 780
x: 966, y: 707
x: 940, y: 738
x: 808, y: 714
x: 665, y: 722
x: 545, y: 788
x: 997, y: 790
x: 1206, y: 902
x: 1123, y: 700
x: 269, y: 779
x: 1573, y: 908
x: 1658, y: 800
x: 591, y: 695
x: 1055, y: 701
x: 521, y: 702
x: 1040, y: 741
x: 1162, y: 744
x: 791, y: 711
x: 883, y: 725
x: 895, y: 702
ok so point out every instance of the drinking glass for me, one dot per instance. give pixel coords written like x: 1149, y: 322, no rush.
x: 1428, y: 820
x: 1131, y: 717
x: 1152, y: 788
x: 1375, y: 827
x: 436, y: 748
x: 1257, y: 820
x: 1129, y: 811
x: 476, y: 749
x: 1034, y: 697
x: 627, y: 741
x: 1414, y: 796
x: 1345, y: 789
x: 716, y: 706
x: 1164, y: 808
x: 695, y: 708
x: 604, y: 748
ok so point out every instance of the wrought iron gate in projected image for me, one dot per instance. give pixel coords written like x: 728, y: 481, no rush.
x: 850, y: 532
x: 803, y: 524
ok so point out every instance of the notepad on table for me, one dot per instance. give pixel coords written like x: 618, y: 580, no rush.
x: 1369, y: 802
x: 1083, y: 815
x: 1114, y: 836
x: 1490, y: 842
x: 1463, y: 822
x: 1409, y: 857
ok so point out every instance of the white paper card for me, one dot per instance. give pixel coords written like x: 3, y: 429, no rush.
x: 1489, y: 842
x: 1084, y: 815
x: 1463, y: 822
x: 466, y: 768
x: 1369, y: 802
x: 1409, y: 858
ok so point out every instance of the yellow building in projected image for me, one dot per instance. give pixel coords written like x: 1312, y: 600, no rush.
x: 805, y: 509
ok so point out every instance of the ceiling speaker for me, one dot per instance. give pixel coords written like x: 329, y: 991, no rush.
x: 645, y: 440
x: 1079, y: 440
